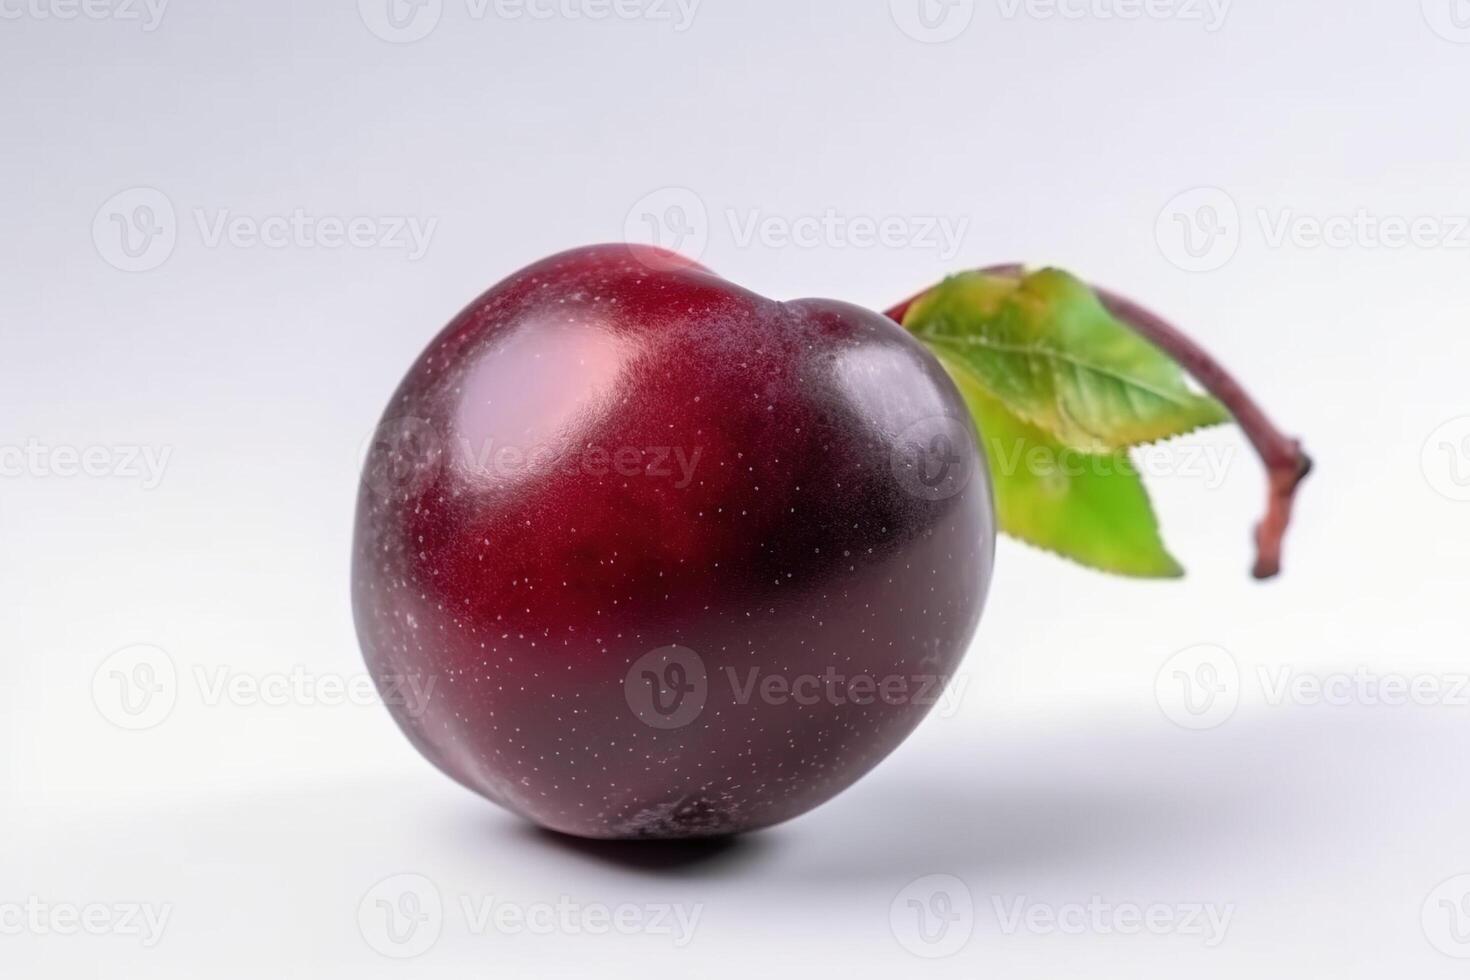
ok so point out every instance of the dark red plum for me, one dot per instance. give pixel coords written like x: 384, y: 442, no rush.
x: 642, y: 554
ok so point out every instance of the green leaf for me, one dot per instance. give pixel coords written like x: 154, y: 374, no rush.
x: 1091, y: 508
x: 1051, y: 353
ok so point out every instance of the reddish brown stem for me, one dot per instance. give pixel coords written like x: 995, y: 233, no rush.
x: 1287, y: 465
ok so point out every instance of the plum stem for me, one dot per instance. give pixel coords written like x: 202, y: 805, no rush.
x: 1287, y: 464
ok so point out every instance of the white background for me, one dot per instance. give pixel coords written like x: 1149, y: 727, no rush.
x: 1053, y: 135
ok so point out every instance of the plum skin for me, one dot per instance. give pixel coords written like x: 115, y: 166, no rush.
x: 615, y: 452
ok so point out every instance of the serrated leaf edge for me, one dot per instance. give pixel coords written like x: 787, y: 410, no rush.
x: 1176, y: 572
x: 1190, y: 400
